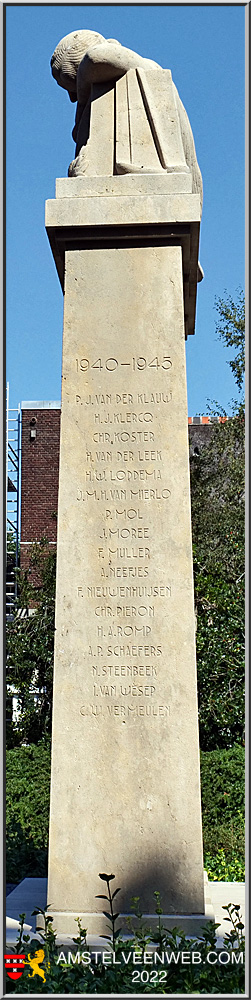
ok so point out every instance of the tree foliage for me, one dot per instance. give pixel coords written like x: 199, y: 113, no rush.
x: 30, y: 645
x: 217, y: 489
x: 27, y: 810
x: 231, y: 329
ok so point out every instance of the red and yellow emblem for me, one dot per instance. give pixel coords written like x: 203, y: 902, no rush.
x: 14, y: 965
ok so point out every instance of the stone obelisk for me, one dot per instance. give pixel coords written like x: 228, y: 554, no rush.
x: 125, y: 790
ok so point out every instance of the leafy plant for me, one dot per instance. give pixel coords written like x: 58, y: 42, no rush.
x: 231, y: 329
x: 30, y: 646
x: 218, y: 527
x: 223, y: 785
x: 217, y: 492
x: 236, y: 933
x: 223, y: 813
x: 111, y: 915
x: 27, y: 811
x: 47, y: 933
x: 177, y: 978
x: 224, y: 868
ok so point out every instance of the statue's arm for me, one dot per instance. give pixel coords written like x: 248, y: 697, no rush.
x: 105, y: 62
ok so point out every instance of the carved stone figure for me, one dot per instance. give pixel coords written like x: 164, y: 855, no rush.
x: 146, y: 127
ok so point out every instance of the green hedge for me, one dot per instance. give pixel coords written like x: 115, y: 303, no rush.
x: 222, y: 784
x: 223, y: 810
x: 27, y: 811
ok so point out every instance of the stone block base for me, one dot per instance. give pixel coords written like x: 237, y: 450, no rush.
x: 64, y: 924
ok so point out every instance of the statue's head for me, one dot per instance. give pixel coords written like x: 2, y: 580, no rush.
x: 68, y: 55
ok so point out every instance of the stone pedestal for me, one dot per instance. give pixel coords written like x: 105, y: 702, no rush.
x: 125, y: 794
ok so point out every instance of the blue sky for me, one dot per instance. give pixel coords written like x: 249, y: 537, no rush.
x: 204, y: 48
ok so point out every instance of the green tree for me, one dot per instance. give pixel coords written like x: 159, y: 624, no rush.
x: 30, y: 645
x: 231, y: 329
x: 27, y: 810
x: 217, y: 490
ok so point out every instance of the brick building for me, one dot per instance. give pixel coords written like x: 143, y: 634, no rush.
x: 40, y: 469
x: 39, y: 474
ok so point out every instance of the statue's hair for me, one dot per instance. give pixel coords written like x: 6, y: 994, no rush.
x: 74, y: 47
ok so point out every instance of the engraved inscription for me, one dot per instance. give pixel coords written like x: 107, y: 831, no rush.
x: 124, y: 475
x: 112, y: 364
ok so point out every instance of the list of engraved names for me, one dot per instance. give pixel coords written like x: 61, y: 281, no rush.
x: 123, y: 476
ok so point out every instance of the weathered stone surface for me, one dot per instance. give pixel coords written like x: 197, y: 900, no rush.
x: 119, y: 210
x: 123, y: 210
x: 125, y: 765
x: 128, y: 184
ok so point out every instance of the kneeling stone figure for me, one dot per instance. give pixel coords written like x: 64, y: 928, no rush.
x: 129, y: 116
x: 145, y: 119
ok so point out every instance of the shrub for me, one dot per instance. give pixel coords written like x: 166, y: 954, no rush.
x: 224, y: 869
x: 30, y: 647
x: 27, y: 811
x: 222, y: 792
x: 222, y: 784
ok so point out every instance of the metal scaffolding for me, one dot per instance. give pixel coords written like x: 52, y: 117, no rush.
x: 13, y: 433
